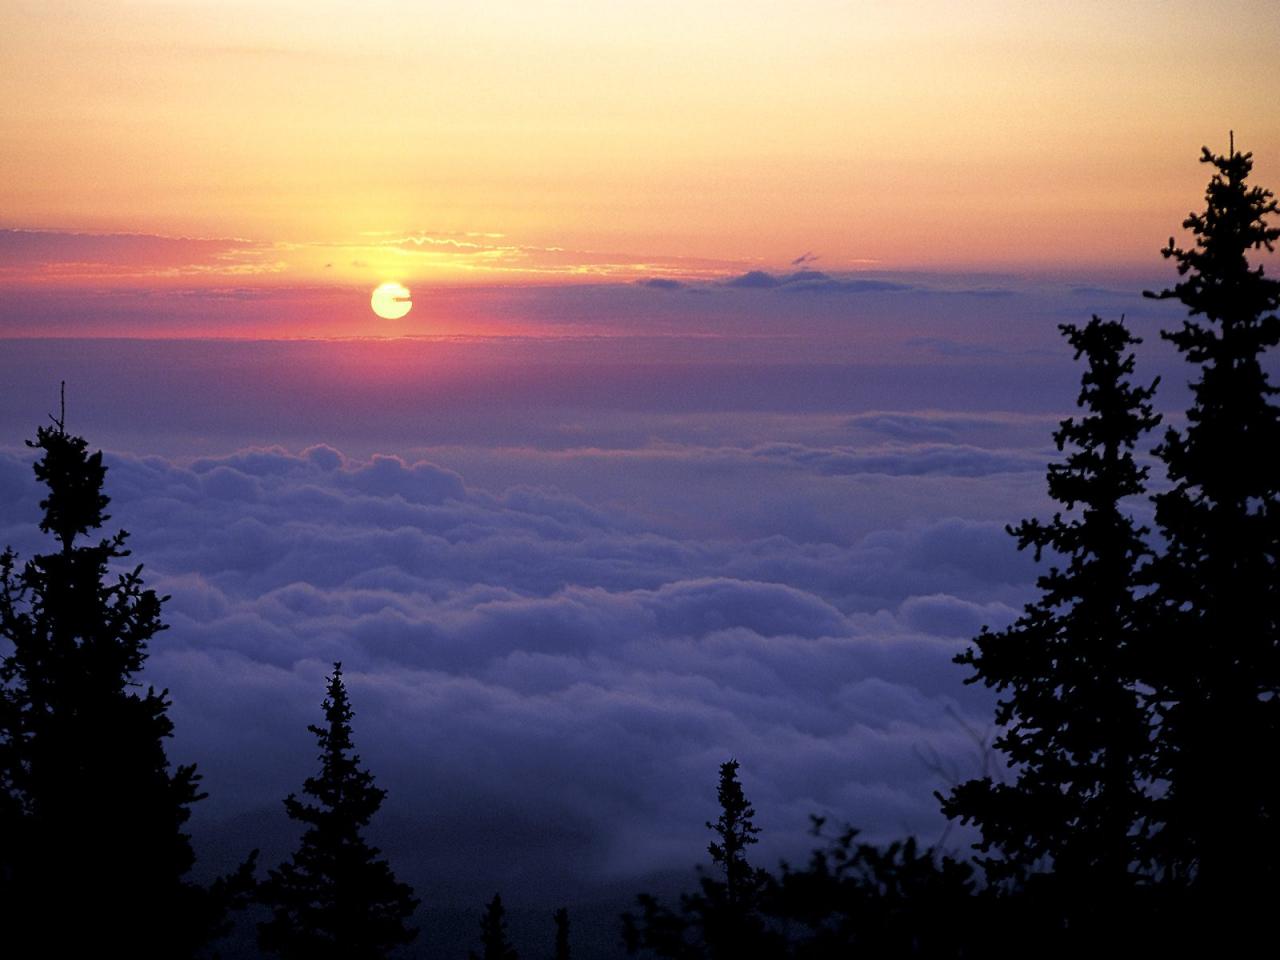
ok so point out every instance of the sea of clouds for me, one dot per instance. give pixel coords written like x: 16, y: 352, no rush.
x: 568, y: 578
x: 546, y: 687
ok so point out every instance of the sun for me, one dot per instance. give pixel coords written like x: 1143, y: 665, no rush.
x: 391, y: 301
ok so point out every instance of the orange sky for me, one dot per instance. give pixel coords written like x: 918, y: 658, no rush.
x: 431, y: 142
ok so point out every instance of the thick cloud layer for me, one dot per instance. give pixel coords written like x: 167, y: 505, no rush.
x: 546, y: 687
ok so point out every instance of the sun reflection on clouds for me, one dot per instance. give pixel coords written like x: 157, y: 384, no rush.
x: 39, y: 256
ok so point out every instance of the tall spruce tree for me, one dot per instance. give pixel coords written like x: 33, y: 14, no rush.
x: 336, y: 898
x: 92, y: 850
x: 724, y: 919
x: 735, y: 830
x: 494, y: 944
x: 1217, y: 582
x: 1076, y: 728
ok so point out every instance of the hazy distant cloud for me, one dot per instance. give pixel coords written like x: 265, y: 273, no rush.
x: 85, y: 259
x: 462, y: 242
x: 28, y: 254
x: 1095, y: 291
x: 255, y: 294
x: 812, y: 281
x: 820, y: 283
x: 804, y: 276
x: 903, y: 426
x: 506, y: 259
x: 660, y: 283
x: 949, y: 459
x: 754, y: 280
x: 761, y: 280
x: 979, y: 292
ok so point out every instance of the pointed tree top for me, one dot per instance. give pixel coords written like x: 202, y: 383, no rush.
x: 734, y: 824
x: 493, y: 933
x: 334, y: 863
x: 1218, y: 280
x: 337, y: 711
x: 75, y: 479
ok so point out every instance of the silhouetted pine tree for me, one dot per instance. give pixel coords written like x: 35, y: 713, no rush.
x: 92, y: 850
x: 561, y: 917
x: 1075, y: 725
x: 1218, y: 586
x: 724, y: 919
x: 336, y: 899
x: 493, y: 933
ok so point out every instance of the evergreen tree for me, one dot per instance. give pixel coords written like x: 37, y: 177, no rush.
x: 1075, y: 724
x: 1217, y: 584
x: 724, y: 918
x: 92, y: 849
x: 493, y: 933
x: 336, y: 899
x: 561, y: 917
x: 736, y: 831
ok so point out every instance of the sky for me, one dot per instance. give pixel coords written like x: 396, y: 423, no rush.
x: 321, y: 142
x: 734, y: 348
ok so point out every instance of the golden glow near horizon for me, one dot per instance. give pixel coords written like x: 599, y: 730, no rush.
x: 391, y: 301
x: 600, y: 139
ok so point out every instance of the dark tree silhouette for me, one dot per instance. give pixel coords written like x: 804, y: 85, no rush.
x: 1075, y: 724
x: 493, y: 933
x: 336, y: 898
x: 92, y: 848
x: 860, y: 900
x: 736, y: 831
x: 561, y: 917
x: 1218, y: 587
x: 723, y: 919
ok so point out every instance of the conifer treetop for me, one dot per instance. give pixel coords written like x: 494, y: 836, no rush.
x: 74, y: 477
x: 1219, y: 283
x: 345, y: 791
x: 735, y: 829
x: 336, y: 898
x: 493, y: 933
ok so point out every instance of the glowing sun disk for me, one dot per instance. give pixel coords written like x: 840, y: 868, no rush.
x: 391, y: 301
